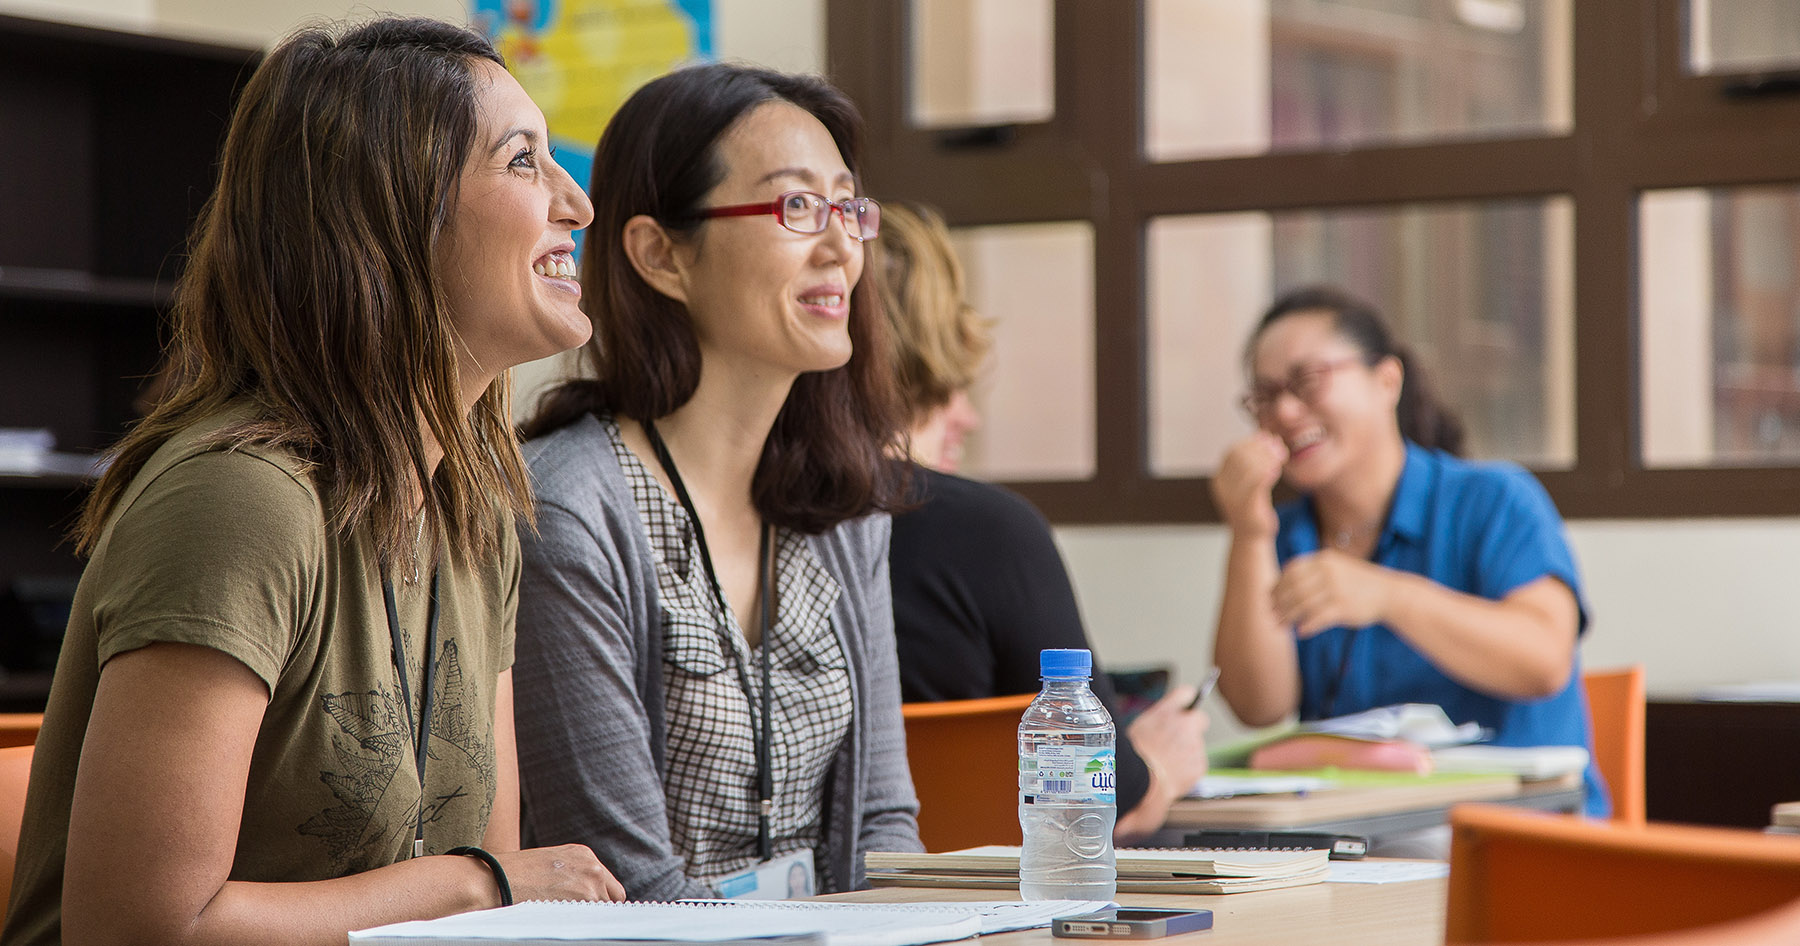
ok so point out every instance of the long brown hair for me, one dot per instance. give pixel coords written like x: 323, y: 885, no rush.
x: 1423, y: 418
x: 823, y: 461
x: 312, y: 289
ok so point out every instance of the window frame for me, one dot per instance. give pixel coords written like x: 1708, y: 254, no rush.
x: 1640, y: 122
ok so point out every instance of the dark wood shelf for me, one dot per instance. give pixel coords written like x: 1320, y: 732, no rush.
x: 69, y: 285
x: 60, y: 482
x: 88, y: 274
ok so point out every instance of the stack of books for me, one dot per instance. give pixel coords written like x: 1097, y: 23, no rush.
x: 1141, y: 870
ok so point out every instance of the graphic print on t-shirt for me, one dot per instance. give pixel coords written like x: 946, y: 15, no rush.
x: 365, y: 828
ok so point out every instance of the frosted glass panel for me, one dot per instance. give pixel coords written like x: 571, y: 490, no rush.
x: 982, y: 62
x: 1719, y: 291
x: 1482, y: 293
x: 1743, y: 35
x: 1036, y: 281
x: 1235, y: 77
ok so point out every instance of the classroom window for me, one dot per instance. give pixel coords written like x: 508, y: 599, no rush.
x: 1481, y: 293
x: 1727, y: 36
x: 981, y: 62
x: 1719, y: 280
x: 1507, y: 211
x: 1035, y: 284
x: 1229, y: 77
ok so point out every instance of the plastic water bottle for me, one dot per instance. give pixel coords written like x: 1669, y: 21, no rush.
x: 1066, y: 802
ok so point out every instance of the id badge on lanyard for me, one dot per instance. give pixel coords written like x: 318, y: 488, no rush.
x: 787, y: 877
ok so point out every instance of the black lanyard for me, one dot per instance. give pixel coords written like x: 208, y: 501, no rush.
x: 759, y: 722
x: 421, y: 733
x: 1335, y: 685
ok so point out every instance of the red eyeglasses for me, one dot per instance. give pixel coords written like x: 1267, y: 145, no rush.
x: 807, y: 212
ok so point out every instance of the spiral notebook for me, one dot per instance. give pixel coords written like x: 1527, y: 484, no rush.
x: 723, y: 922
x: 1141, y: 870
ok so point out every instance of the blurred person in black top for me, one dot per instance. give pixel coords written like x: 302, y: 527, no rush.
x: 979, y: 587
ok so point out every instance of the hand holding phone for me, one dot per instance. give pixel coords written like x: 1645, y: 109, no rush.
x: 1206, y: 687
x: 1132, y: 923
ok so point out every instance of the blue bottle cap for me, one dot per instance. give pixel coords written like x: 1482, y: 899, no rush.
x: 1066, y: 664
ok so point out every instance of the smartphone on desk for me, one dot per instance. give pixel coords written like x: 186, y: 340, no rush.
x: 1132, y: 923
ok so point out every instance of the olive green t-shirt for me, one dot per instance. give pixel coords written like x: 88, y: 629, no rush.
x: 229, y: 549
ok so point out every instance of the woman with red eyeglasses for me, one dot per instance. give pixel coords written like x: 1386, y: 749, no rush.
x: 706, y: 675
x: 1402, y: 573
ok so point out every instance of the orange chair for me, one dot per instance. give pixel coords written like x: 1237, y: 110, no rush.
x: 964, y: 757
x: 15, y: 772
x: 20, y: 729
x: 1616, y: 705
x: 1527, y: 877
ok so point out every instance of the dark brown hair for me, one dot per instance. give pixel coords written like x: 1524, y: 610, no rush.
x: 1423, y: 418
x: 823, y: 462
x: 312, y: 289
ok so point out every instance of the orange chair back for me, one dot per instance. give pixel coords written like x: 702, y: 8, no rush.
x: 1520, y: 876
x: 20, y: 729
x: 965, y: 766
x: 1616, y: 706
x: 15, y: 772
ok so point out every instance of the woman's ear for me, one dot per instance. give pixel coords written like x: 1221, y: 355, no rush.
x: 1390, y: 373
x: 652, y: 253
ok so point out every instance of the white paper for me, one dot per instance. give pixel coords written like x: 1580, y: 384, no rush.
x: 839, y: 923
x: 1385, y: 872
x: 1423, y: 723
x: 1225, y: 786
x: 1524, y: 761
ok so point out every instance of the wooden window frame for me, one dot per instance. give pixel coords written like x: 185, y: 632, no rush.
x: 1641, y: 122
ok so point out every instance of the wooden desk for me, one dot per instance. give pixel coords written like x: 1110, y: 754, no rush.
x: 1401, y: 914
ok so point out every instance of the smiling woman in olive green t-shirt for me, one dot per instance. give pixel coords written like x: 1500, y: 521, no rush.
x: 233, y: 747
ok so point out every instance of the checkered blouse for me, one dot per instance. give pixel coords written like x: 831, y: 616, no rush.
x: 711, y: 781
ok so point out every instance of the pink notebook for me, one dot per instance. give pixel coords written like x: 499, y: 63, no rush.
x: 1319, y: 751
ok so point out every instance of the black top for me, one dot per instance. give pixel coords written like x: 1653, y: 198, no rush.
x: 979, y: 589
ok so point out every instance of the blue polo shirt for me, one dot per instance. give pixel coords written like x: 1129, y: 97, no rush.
x: 1477, y: 527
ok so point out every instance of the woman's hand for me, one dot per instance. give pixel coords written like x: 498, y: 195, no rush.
x: 567, y: 872
x: 1171, y: 740
x: 1241, y: 488
x: 1329, y: 589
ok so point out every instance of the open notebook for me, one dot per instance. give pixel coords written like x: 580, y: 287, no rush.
x: 1141, y: 870
x: 724, y: 922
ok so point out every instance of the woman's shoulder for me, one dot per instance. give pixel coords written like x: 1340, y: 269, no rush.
x: 863, y: 537
x: 1490, y: 479
x: 973, y: 508
x: 1492, y: 490
x: 213, y: 461
x: 205, y: 500
x: 575, y: 463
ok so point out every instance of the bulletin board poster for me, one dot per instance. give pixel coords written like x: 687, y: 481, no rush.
x: 580, y: 59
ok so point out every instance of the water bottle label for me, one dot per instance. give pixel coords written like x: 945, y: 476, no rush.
x: 1068, y: 772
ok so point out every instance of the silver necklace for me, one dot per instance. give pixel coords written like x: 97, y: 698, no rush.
x: 1342, y: 538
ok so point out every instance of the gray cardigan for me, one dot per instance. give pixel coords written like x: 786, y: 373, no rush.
x: 588, y: 693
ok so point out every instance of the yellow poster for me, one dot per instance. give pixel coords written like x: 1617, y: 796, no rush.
x: 579, y: 59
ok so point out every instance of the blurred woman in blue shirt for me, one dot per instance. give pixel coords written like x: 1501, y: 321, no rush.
x: 1402, y: 573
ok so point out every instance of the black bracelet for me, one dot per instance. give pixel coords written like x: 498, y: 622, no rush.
x: 493, y: 864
